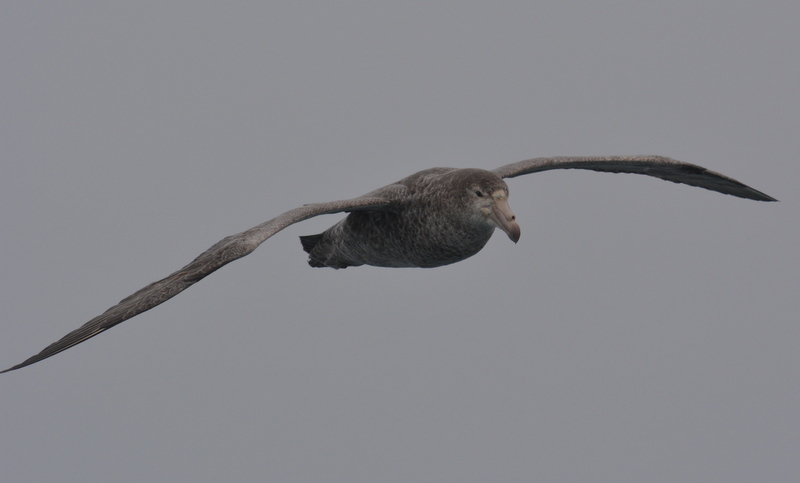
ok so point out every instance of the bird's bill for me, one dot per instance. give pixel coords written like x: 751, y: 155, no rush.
x: 502, y: 216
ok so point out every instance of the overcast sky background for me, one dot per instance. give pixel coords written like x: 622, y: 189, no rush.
x: 639, y: 331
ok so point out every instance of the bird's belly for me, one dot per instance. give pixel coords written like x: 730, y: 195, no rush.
x: 406, y: 245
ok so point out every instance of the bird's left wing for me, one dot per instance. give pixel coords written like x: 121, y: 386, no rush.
x: 221, y: 253
x: 657, y: 166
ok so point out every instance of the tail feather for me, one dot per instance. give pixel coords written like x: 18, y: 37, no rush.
x: 322, y: 257
x: 319, y: 259
x: 310, y: 241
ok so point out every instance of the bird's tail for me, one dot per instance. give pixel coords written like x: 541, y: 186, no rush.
x: 310, y: 241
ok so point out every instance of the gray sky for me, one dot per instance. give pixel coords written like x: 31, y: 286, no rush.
x: 639, y: 331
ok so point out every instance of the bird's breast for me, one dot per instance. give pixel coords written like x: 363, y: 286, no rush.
x: 398, y: 239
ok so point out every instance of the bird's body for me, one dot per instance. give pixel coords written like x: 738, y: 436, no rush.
x: 424, y: 228
x: 432, y: 218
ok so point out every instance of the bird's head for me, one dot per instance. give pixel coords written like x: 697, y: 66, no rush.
x: 489, y: 197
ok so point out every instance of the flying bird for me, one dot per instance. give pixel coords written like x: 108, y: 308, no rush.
x: 432, y: 218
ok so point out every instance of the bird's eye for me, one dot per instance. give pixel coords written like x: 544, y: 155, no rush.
x: 479, y: 193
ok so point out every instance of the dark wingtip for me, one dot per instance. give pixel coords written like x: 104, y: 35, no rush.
x: 759, y: 196
x: 45, y: 354
x: 19, y: 366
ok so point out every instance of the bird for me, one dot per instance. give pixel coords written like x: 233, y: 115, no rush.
x: 432, y: 218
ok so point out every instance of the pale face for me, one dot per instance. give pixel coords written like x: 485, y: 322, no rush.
x: 494, y: 209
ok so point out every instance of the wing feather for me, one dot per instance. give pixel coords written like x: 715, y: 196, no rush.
x: 220, y: 254
x: 657, y: 166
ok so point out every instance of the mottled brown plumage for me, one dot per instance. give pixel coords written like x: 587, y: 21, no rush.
x: 429, y: 219
x: 430, y: 225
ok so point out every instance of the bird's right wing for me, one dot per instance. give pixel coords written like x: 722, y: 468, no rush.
x: 657, y: 166
x: 221, y: 253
